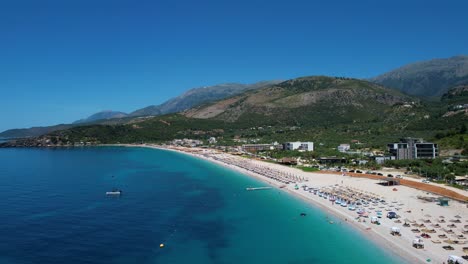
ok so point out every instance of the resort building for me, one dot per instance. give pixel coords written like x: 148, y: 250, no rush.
x: 332, y: 160
x: 261, y: 147
x: 301, y: 146
x: 344, y: 147
x: 186, y: 142
x: 212, y: 140
x: 413, y: 148
x: 382, y: 159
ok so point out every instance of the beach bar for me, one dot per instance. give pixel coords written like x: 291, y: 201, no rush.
x: 443, y: 201
x: 390, y: 181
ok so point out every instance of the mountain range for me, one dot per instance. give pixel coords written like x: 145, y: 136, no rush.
x: 191, y: 98
x: 329, y: 110
x: 237, y: 102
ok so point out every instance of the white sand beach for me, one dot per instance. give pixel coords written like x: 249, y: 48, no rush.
x: 447, y: 226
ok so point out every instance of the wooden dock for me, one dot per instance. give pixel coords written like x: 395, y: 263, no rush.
x: 258, y: 188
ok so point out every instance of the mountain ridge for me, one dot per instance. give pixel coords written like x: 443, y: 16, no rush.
x: 431, y: 78
x: 196, y: 96
x: 102, y: 115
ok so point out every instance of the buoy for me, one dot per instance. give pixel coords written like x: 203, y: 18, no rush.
x: 161, y: 245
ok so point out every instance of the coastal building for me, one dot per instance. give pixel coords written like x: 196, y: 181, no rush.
x: 331, y: 160
x: 187, y: 142
x: 301, y: 146
x: 261, y: 147
x: 461, y: 180
x: 212, y: 140
x: 382, y: 159
x: 288, y: 161
x: 343, y: 147
x: 413, y: 148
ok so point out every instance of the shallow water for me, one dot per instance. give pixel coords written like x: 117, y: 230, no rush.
x: 55, y: 210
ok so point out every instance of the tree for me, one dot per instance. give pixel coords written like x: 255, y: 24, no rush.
x: 463, y: 129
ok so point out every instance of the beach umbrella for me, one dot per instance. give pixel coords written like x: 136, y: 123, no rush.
x: 457, y: 216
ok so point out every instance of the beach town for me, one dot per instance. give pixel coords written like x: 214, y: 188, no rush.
x: 415, y: 221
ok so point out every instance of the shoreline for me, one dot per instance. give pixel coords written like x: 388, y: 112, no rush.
x: 381, y: 238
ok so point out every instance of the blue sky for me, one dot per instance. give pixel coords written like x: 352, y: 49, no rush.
x: 64, y: 60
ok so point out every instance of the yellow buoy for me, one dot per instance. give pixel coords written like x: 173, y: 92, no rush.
x: 161, y: 245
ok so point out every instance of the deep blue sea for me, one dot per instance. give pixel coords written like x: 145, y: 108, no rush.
x: 54, y: 210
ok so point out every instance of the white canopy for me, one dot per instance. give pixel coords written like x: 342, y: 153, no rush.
x: 418, y: 241
x: 396, y: 229
x: 456, y: 259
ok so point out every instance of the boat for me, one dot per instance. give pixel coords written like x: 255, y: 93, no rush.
x: 114, y: 192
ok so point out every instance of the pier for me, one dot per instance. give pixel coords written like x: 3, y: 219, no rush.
x: 257, y: 188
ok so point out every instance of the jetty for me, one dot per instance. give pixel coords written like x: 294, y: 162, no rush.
x: 257, y: 188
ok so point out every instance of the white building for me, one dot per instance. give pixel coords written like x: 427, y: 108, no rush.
x: 343, y: 147
x: 212, y: 140
x: 301, y: 146
x: 382, y: 159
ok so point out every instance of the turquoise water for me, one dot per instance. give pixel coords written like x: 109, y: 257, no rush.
x: 55, y: 211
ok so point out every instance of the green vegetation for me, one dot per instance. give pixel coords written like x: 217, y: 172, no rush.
x: 307, y: 169
x: 432, y: 168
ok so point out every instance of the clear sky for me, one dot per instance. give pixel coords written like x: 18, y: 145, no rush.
x: 67, y: 59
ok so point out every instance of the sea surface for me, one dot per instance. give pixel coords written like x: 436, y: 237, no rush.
x: 54, y: 210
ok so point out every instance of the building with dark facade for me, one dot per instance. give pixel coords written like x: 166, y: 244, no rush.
x: 413, y: 148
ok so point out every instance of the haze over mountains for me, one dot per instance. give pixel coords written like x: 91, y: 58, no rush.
x: 428, y: 78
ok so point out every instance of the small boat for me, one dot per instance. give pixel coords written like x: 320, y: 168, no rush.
x: 114, y: 192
